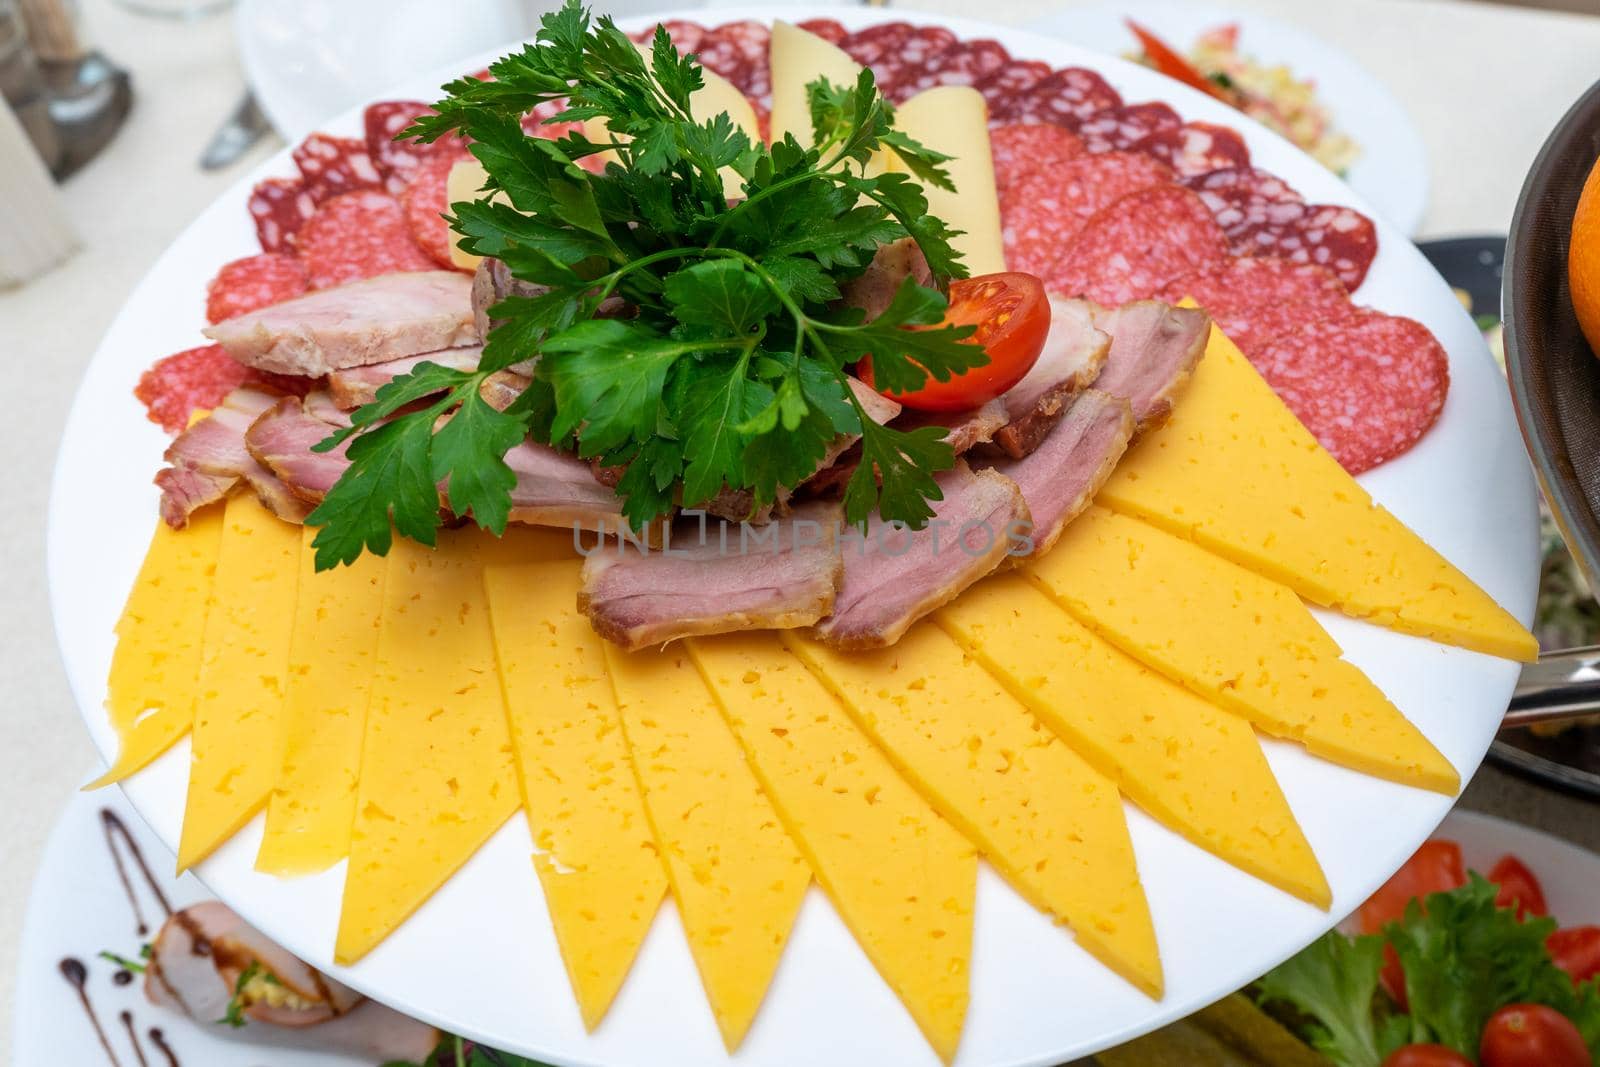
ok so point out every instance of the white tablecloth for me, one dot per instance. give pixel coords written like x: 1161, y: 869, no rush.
x: 1484, y: 83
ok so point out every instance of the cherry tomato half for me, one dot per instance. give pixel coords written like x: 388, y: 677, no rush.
x: 1518, y: 888
x: 1576, y: 950
x: 1435, y: 868
x: 1426, y: 1056
x: 1532, y: 1035
x: 1012, y: 315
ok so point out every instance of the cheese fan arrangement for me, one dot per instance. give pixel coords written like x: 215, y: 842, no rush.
x: 395, y: 713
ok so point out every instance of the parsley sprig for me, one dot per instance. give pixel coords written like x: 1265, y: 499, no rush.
x: 732, y: 370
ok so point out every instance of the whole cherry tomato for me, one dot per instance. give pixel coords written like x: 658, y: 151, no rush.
x: 1576, y: 950
x: 1518, y: 888
x: 1426, y: 1056
x: 1532, y: 1035
x: 1012, y: 315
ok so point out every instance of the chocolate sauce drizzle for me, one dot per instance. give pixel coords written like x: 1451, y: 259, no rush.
x: 129, y: 856
x: 77, y: 975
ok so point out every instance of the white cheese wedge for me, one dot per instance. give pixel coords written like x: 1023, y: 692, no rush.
x: 799, y: 58
x: 954, y: 119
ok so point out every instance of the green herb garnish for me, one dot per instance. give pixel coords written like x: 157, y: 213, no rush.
x: 1464, y: 956
x: 733, y: 372
x: 131, y: 966
x: 233, y: 1015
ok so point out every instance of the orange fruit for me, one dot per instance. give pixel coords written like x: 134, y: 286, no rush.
x: 1583, y: 259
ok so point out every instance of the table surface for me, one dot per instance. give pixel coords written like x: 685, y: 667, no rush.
x: 1484, y: 83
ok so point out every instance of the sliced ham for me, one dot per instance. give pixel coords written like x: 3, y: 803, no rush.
x: 715, y: 578
x: 891, y: 265
x: 208, y: 458
x: 370, y: 321
x: 559, y: 489
x: 1154, y: 349
x: 1072, y: 358
x: 353, y: 386
x: 200, y: 954
x: 964, y: 430
x: 281, y: 440
x: 1061, y: 477
x: 894, y: 576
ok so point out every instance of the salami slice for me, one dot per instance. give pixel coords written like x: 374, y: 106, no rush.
x: 1006, y: 88
x: 395, y: 160
x: 424, y: 202
x: 1367, y: 386
x: 280, y: 206
x: 1138, y: 245
x: 331, y: 166
x: 1196, y: 148
x: 1118, y: 129
x: 963, y: 63
x: 1255, y: 300
x: 1339, y: 238
x: 1024, y: 148
x: 687, y: 37
x: 254, y: 282
x: 196, y: 379
x: 869, y: 46
x: 1234, y: 194
x: 359, y: 235
x: 738, y: 52
x: 830, y: 30
x: 1041, y: 213
x: 925, y: 45
x: 1066, y: 97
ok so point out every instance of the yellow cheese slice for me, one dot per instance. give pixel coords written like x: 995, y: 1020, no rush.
x: 1236, y: 638
x: 465, y: 182
x: 799, y: 58
x: 901, y: 877
x: 437, y: 773
x: 1052, y: 824
x: 1236, y: 472
x: 1193, y: 766
x: 954, y: 119
x: 331, y: 659
x: 244, y: 664
x: 596, y: 858
x: 150, y: 693
x: 736, y: 874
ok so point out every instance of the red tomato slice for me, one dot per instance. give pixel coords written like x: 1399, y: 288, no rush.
x: 1576, y: 950
x: 1518, y: 888
x: 1426, y: 1056
x: 1532, y: 1035
x: 1012, y: 315
x: 1435, y: 868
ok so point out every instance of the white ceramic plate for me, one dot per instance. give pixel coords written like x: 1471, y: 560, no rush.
x: 480, y: 957
x: 308, y: 59
x: 78, y: 909
x: 1392, y: 172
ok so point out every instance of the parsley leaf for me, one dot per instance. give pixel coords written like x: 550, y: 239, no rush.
x: 728, y: 369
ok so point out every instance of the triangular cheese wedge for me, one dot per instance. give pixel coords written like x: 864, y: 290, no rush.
x: 1052, y: 824
x: 596, y: 859
x: 244, y: 664
x: 798, y: 58
x: 1236, y: 638
x: 736, y: 874
x: 437, y: 773
x: 331, y: 658
x: 900, y: 876
x: 1236, y: 472
x: 1196, y: 768
x: 150, y: 693
x: 954, y: 119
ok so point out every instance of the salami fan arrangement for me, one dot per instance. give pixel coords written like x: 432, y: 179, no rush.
x: 1099, y: 197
